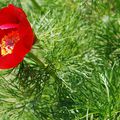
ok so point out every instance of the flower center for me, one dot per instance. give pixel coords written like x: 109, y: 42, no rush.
x: 8, y: 43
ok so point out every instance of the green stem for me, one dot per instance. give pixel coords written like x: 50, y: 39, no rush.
x: 47, y: 68
x: 41, y: 64
x: 51, y: 71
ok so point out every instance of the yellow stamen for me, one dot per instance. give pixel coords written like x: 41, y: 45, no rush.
x: 8, y: 43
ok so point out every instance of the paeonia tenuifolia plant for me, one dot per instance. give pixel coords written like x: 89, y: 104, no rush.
x: 16, y: 36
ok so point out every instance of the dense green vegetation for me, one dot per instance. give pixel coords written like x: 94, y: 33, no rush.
x: 80, y: 41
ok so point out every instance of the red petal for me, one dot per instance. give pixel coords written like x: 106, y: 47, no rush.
x: 11, y: 14
x: 12, y: 60
x: 8, y: 26
x: 27, y: 37
x: 13, y: 18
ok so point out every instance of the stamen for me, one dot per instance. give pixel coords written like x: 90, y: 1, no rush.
x: 8, y: 43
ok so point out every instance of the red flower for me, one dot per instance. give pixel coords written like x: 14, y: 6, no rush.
x: 16, y: 36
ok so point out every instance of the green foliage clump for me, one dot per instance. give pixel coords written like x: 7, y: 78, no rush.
x: 78, y: 42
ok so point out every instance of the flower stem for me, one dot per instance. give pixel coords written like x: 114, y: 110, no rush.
x: 48, y: 68
x: 52, y: 72
x: 41, y: 64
